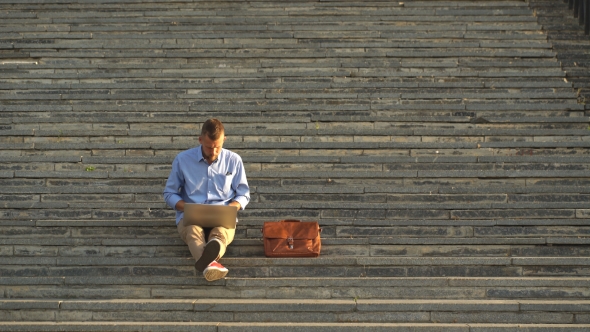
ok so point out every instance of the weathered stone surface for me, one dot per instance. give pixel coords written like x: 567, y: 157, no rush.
x: 438, y: 305
x: 405, y: 231
x: 406, y: 292
x: 440, y: 251
x: 468, y: 271
x: 530, y: 231
x: 456, y: 241
x: 538, y: 293
x: 505, y: 317
x: 507, y: 214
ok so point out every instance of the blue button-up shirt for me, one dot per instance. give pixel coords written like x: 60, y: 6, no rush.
x: 193, y: 180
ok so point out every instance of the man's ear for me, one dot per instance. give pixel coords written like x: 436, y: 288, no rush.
x: 200, y: 140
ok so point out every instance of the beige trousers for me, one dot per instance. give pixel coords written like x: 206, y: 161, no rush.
x: 194, y: 237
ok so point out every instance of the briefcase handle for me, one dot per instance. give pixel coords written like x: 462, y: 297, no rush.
x: 295, y: 220
x: 287, y: 220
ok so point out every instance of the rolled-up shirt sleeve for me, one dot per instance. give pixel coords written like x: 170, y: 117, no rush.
x: 174, y: 185
x: 240, y: 185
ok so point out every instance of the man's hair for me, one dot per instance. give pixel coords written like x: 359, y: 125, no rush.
x: 213, y: 128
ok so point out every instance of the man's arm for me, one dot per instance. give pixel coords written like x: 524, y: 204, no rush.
x: 240, y: 185
x: 173, y: 184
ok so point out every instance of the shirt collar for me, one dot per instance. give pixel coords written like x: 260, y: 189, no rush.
x: 201, y: 158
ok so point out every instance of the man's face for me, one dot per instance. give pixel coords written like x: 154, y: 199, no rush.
x: 211, y: 148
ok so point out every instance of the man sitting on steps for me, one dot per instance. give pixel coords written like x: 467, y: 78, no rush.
x: 207, y: 174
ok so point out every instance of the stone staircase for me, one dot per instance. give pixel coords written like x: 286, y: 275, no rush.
x: 442, y: 146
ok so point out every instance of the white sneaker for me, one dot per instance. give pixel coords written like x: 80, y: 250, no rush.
x: 215, y: 271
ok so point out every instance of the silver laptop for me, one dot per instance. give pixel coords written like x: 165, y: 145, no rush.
x: 209, y: 216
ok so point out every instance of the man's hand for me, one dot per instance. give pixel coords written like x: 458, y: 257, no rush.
x: 180, y: 206
x: 236, y: 204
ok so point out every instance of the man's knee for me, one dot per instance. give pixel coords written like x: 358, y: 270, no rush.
x: 225, y: 235
x: 185, y: 230
x: 194, y: 232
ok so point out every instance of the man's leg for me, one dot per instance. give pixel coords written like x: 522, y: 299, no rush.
x: 225, y: 235
x: 194, y: 237
x: 219, y: 238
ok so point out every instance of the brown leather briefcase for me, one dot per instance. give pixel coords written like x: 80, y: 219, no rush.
x: 291, y: 238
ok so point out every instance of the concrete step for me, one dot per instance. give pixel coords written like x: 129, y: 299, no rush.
x: 565, y: 231
x: 188, y: 286
x: 118, y: 124
x: 378, y: 247
x: 300, y: 310
x: 343, y: 266
x: 376, y: 198
x: 334, y: 187
x: 358, y: 172
x: 294, y: 211
x: 347, y: 134
x: 493, y: 162
x: 580, y: 282
x: 314, y: 68
x: 220, y: 326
